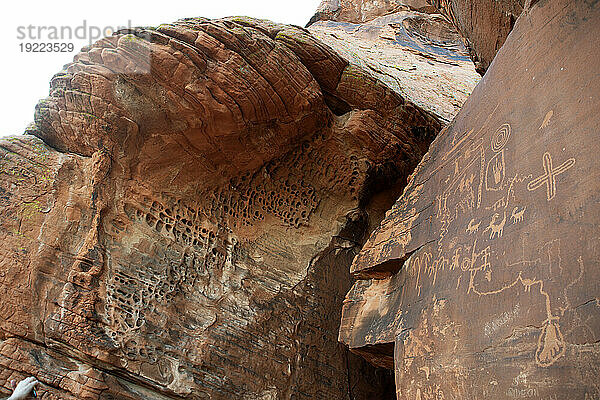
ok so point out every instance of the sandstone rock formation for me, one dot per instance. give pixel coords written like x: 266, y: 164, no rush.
x: 483, y: 24
x: 360, y: 11
x: 481, y: 282
x: 181, y: 219
x: 419, y: 56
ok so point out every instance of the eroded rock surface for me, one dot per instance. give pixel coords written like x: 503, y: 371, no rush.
x: 420, y: 56
x: 359, y: 11
x: 483, y: 24
x: 184, y: 227
x: 481, y: 282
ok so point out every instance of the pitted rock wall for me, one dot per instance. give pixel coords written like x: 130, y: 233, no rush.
x: 183, y: 221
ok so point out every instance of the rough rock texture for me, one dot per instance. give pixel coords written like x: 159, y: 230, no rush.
x: 483, y: 24
x: 420, y: 56
x: 481, y: 282
x: 185, y: 226
x: 359, y: 11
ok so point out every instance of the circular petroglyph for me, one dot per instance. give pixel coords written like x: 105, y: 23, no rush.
x: 501, y: 137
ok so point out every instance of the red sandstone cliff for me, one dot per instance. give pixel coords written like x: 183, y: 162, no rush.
x: 186, y: 216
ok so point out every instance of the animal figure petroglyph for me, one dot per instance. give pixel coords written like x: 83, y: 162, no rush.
x: 496, y: 228
x: 517, y: 216
x: 472, y: 228
x: 532, y: 275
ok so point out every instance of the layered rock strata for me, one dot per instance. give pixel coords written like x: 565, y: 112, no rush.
x: 484, y: 24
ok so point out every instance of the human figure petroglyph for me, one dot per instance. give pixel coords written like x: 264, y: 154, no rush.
x: 496, y: 228
x: 481, y: 175
x: 459, y: 196
x: 533, y: 275
x: 517, y: 216
x: 498, y: 170
x: 530, y: 274
x: 466, y: 183
x: 470, y: 174
x: 550, y: 174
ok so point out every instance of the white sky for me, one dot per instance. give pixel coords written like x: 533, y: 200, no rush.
x: 25, y: 76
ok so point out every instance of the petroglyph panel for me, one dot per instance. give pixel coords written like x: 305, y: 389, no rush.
x: 484, y: 269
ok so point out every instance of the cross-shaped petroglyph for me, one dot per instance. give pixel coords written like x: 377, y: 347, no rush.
x: 549, y: 177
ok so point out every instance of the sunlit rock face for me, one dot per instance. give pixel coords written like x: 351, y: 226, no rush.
x: 481, y: 281
x: 181, y: 219
x: 483, y: 24
x: 360, y: 11
x: 420, y: 56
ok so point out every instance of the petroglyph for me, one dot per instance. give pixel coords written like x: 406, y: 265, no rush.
x: 546, y: 120
x: 501, y: 137
x: 530, y: 311
x: 550, y: 174
x: 473, y: 227
x: 470, y: 175
x: 522, y: 393
x: 496, y: 227
x: 483, y: 281
x: 517, y: 216
x: 505, y: 318
x: 495, y: 172
x: 551, y: 345
x: 476, y: 261
x: 464, y: 258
